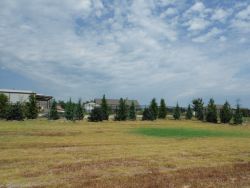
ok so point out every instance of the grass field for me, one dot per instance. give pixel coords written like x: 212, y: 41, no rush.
x: 168, y: 153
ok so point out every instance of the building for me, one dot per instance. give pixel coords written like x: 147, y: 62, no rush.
x: 113, y: 103
x: 43, y: 101
x: 89, y: 106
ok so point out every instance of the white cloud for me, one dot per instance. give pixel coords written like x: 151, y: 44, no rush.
x: 220, y: 15
x: 197, y: 24
x: 208, y: 36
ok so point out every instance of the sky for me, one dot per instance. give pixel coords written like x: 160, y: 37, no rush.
x: 138, y: 49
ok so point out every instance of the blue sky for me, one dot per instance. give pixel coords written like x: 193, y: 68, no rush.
x: 177, y: 49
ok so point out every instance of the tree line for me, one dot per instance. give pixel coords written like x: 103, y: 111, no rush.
x: 123, y: 112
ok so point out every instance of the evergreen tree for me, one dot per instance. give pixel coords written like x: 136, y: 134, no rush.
x: 69, y: 110
x: 153, y: 107
x: 198, y: 108
x: 211, y: 115
x: 32, y: 108
x: 237, y: 117
x: 177, y: 112
x: 132, y: 111
x: 122, y: 111
x: 189, y: 113
x: 148, y: 115
x: 226, y: 113
x: 3, y: 105
x: 62, y: 104
x: 96, y: 115
x: 105, y: 108
x: 53, y: 114
x: 15, y: 112
x: 79, y: 111
x: 162, y: 110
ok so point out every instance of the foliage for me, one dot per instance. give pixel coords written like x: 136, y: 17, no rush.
x: 189, y: 113
x: 153, y: 107
x: 177, y: 112
x: 53, y: 114
x: 62, y: 104
x: 78, y: 111
x: 96, y: 115
x: 69, y: 110
x: 226, y: 113
x: 3, y: 105
x: 122, y: 111
x: 211, y: 113
x: 132, y: 111
x: 105, y: 108
x: 15, y: 112
x: 162, y: 110
x: 31, y: 108
x: 198, y: 108
x: 237, y: 117
x: 148, y: 115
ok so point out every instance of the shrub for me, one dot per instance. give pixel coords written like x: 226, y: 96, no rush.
x: 31, y: 108
x: 96, y: 115
x: 154, y: 108
x: 148, y: 115
x: 53, y: 114
x: 211, y: 114
x: 226, y: 113
x: 189, y: 113
x: 132, y: 111
x: 3, y: 105
x: 15, y: 112
x: 177, y: 112
x: 162, y: 110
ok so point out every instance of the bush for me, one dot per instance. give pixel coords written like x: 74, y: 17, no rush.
x: 189, y: 113
x: 122, y: 111
x: 15, y: 112
x: 32, y: 108
x: 226, y: 113
x: 53, y: 114
x: 148, y: 115
x: 162, y: 110
x: 132, y: 111
x: 211, y: 115
x: 3, y: 105
x: 96, y: 115
x: 237, y: 117
x: 177, y: 112
x: 153, y: 107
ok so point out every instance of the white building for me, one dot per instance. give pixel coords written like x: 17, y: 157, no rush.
x: 89, y: 106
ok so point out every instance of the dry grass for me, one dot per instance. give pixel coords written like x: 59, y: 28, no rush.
x: 44, y: 153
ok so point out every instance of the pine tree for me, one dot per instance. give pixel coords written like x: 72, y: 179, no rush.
x: 32, y: 108
x: 96, y: 115
x: 53, y: 114
x: 198, y: 108
x: 177, y: 112
x: 105, y: 108
x: 237, y: 117
x: 148, y: 115
x: 122, y: 111
x: 153, y: 107
x: 211, y: 115
x: 226, y: 113
x: 69, y: 110
x: 189, y: 113
x: 78, y: 111
x: 15, y: 112
x: 132, y: 111
x: 3, y: 105
x: 162, y: 110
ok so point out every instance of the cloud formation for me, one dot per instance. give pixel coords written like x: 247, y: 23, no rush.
x: 138, y: 49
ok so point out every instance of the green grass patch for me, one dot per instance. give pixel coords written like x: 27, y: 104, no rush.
x: 189, y: 133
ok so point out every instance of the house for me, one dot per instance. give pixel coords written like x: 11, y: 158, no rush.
x: 43, y: 101
x: 113, y: 103
x: 89, y: 106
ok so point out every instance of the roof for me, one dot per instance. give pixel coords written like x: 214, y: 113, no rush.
x: 15, y: 91
x: 115, y: 102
